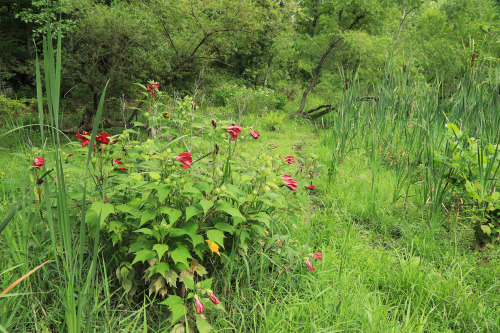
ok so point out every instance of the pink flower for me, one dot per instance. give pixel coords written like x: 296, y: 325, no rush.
x: 289, y: 159
x: 317, y: 256
x: 287, y: 178
x: 38, y: 162
x: 199, y: 306
x: 214, y: 299
x: 118, y: 161
x: 85, y: 141
x: 186, y: 159
x: 310, y: 267
x: 234, y: 131
x: 103, y: 138
x: 311, y: 187
x: 292, y: 185
x: 255, y: 134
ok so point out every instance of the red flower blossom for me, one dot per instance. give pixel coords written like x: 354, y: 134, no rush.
x: 255, y: 134
x: 317, y: 256
x: 214, y: 299
x: 85, y: 141
x: 311, y: 187
x: 155, y: 86
x: 186, y: 159
x: 199, y: 306
x: 149, y: 88
x: 70, y: 154
x: 292, y: 185
x: 123, y: 169
x: 234, y: 131
x: 310, y: 267
x: 103, y: 138
x: 118, y: 161
x: 38, y: 162
x: 166, y: 115
x: 114, y: 141
x: 287, y: 178
x: 289, y: 159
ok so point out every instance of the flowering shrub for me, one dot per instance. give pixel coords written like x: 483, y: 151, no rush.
x: 174, y: 207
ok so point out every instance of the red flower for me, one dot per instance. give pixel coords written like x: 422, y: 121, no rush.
x: 123, y: 169
x: 85, y: 141
x: 287, y: 178
x: 118, y: 161
x: 186, y: 159
x: 309, y: 265
x: 214, y: 299
x: 234, y: 131
x: 114, y: 141
x: 255, y: 134
x: 214, y: 123
x: 289, y: 159
x: 155, y: 86
x: 38, y: 162
x: 103, y: 138
x: 199, y: 306
x: 70, y: 154
x: 166, y: 115
x: 149, y: 88
x: 317, y: 256
x: 292, y: 185
x: 311, y: 187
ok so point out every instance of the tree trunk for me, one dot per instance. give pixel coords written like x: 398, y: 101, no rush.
x: 315, y: 75
x: 269, y: 64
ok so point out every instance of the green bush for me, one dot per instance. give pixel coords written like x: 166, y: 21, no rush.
x: 23, y: 110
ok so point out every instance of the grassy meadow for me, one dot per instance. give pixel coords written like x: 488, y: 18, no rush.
x: 403, y: 213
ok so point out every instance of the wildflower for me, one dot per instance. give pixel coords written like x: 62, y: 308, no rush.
x: 310, y: 267
x: 317, y: 256
x: 289, y: 159
x: 199, y: 306
x: 214, y: 299
x: 118, y: 161
x: 255, y: 134
x: 292, y: 185
x: 85, y: 141
x: 311, y: 187
x: 114, y: 141
x: 166, y: 115
x: 38, y: 162
x: 186, y: 159
x: 234, y: 131
x: 287, y: 178
x: 103, y: 138
x: 70, y: 154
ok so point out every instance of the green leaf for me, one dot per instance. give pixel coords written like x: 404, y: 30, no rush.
x: 191, y: 211
x: 206, y: 205
x: 154, y: 175
x: 206, y: 284
x: 173, y: 214
x: 180, y: 255
x: 160, y: 249
x: 258, y: 229
x: 262, y: 217
x: 223, y: 226
x: 188, y: 282
x: 234, y: 212
x: 176, y: 305
x: 202, y: 325
x: 143, y: 255
x: 486, y: 229
x: 148, y: 215
x: 104, y: 209
x: 216, y: 236
x: 163, y: 191
x: 150, y: 232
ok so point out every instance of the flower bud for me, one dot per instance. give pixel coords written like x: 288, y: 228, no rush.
x: 214, y: 123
